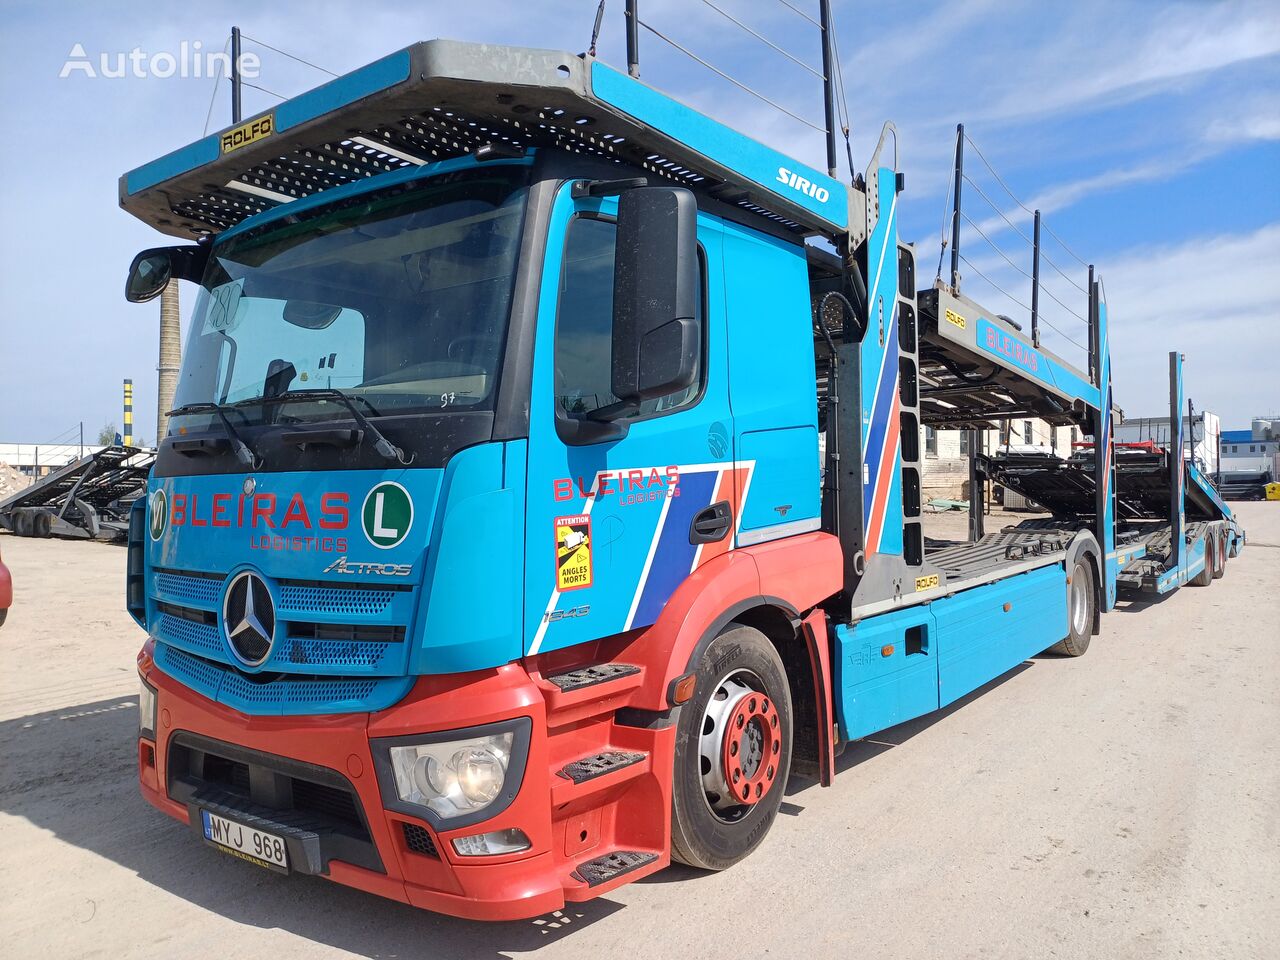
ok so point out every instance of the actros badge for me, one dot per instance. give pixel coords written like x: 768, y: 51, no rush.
x: 360, y: 567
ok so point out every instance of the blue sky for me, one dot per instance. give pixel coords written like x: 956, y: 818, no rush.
x: 1148, y: 133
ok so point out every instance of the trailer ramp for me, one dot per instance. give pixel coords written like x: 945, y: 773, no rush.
x: 89, y: 497
x: 1145, y: 555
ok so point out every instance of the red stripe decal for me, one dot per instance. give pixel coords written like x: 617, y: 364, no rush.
x: 888, y: 460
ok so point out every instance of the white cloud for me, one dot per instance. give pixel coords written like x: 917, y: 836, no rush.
x: 1217, y: 299
x: 1179, y: 42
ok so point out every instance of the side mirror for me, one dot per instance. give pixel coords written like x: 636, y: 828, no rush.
x: 656, y: 340
x: 152, y: 269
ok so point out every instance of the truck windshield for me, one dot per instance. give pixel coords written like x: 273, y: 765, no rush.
x: 400, y: 298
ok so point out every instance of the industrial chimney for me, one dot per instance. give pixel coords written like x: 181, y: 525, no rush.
x: 170, y: 358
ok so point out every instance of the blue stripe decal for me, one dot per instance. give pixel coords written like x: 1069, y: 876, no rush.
x: 673, y: 558
x: 172, y: 164
x: 379, y: 75
x: 883, y: 406
x: 346, y: 89
x: 826, y: 197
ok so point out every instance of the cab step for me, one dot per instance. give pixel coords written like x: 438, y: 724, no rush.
x: 605, y: 868
x: 588, y: 768
x: 590, y: 676
x: 596, y: 690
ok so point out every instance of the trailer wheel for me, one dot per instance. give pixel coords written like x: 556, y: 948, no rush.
x: 1205, y: 576
x: 42, y: 525
x: 733, y: 751
x: 1082, y: 600
x: 1219, y: 556
x: 22, y: 523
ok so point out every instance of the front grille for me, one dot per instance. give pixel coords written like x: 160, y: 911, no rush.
x: 327, y: 653
x: 281, y: 693
x: 418, y: 840
x: 187, y: 587
x: 204, y: 617
x: 194, y: 636
x: 359, y: 632
x: 304, y: 665
x: 326, y: 800
x: 196, y: 764
x: 231, y: 774
x: 315, y: 806
x: 303, y: 597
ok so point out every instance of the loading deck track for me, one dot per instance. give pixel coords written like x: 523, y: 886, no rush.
x: 978, y: 368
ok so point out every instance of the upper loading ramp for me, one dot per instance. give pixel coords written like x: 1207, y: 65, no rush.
x: 977, y: 367
x: 443, y: 99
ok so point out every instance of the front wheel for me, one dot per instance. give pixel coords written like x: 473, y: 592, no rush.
x: 733, y: 751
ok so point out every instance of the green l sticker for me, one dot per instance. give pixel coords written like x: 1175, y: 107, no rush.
x: 387, y: 515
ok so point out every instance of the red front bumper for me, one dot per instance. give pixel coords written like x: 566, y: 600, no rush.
x: 6, y: 587
x: 567, y: 823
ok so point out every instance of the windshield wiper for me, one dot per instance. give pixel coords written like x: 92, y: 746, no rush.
x: 380, y: 443
x: 244, y: 453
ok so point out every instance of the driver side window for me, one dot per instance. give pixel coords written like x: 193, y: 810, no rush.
x: 584, y: 325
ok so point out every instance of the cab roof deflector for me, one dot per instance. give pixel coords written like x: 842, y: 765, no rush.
x: 442, y: 99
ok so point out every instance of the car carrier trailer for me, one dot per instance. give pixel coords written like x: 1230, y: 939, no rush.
x: 490, y: 561
x: 88, y: 497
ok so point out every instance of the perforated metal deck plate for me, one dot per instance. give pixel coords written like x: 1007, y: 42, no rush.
x: 597, y: 871
x: 588, y: 768
x: 590, y: 676
x: 442, y: 99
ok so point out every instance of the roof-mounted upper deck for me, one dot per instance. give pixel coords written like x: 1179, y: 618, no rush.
x: 978, y: 368
x: 443, y: 99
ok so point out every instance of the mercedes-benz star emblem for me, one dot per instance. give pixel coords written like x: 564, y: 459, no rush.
x: 249, y: 618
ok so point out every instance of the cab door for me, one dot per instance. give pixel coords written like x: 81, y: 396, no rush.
x: 608, y: 536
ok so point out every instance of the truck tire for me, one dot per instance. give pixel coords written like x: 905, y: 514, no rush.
x: 1219, y: 555
x: 733, y: 751
x: 22, y: 523
x: 1205, y: 576
x: 1082, y: 601
x: 42, y: 525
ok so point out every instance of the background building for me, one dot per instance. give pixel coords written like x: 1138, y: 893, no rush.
x: 1256, y: 450
x: 1200, y: 439
x: 38, y: 459
x: 946, y: 452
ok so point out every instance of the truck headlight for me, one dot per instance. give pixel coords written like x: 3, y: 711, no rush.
x: 146, y: 710
x: 456, y: 777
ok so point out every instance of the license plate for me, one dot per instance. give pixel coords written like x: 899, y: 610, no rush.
x: 264, y: 849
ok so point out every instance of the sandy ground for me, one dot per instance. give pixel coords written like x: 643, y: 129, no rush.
x: 1126, y: 804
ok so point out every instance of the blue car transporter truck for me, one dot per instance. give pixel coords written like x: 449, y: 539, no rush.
x: 536, y: 499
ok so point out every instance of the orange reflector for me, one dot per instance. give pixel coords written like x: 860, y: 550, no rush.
x: 886, y: 650
x: 1008, y: 607
x: 683, y: 690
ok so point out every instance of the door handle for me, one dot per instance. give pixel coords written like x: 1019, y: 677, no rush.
x: 712, y: 523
